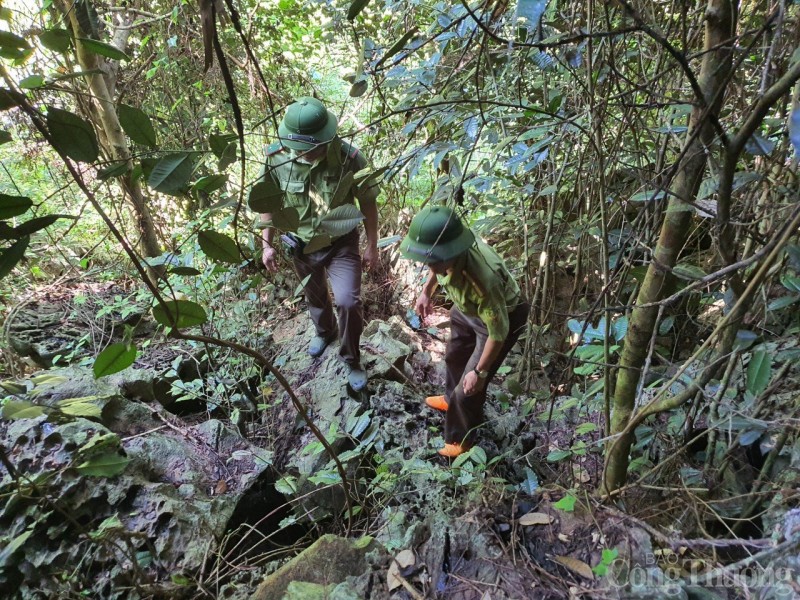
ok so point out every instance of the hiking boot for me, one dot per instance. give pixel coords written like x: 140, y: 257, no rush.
x: 357, y: 378
x: 437, y: 402
x: 318, y: 344
x: 453, y: 450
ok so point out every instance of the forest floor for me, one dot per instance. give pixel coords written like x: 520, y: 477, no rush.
x: 504, y: 522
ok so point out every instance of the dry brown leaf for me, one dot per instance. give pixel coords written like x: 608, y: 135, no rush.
x: 221, y: 487
x: 536, y: 518
x: 576, y: 566
x: 404, y: 559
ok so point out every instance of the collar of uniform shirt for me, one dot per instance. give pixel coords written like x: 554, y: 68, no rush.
x: 300, y: 157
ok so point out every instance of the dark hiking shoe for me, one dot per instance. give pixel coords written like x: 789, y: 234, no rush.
x: 318, y: 344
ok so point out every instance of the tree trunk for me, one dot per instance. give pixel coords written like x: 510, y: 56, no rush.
x: 720, y: 25
x: 116, y: 145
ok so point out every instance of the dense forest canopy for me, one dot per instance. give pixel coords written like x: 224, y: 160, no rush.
x: 635, y: 163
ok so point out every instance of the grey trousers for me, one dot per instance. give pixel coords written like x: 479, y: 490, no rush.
x: 467, y: 338
x: 341, y: 262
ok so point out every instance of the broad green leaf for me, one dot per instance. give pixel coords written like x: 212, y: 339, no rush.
x: 32, y: 82
x: 648, y: 195
x: 57, y: 40
x: 179, y: 313
x: 531, y: 482
x: 397, y: 46
x: 531, y: 12
x: 355, y: 8
x: 114, y: 359
x: 342, y: 190
x: 113, y: 170
x: 13, y: 545
x: 759, y: 372
x: 341, y: 220
x: 171, y: 174
x: 210, y: 183
x: 791, y: 283
x: 265, y: 197
x: 286, y: 219
x: 13, y: 206
x: 301, y: 286
x: 782, y: 302
x: 13, y: 387
x: 190, y: 271
x: 103, y: 49
x: 104, y: 465
x: 72, y: 135
x: 80, y: 407
x: 137, y: 125
x: 557, y: 455
x: 12, y: 46
x: 759, y: 146
x: 318, y: 242
x: 585, y: 428
x: 567, y: 503
x: 10, y: 256
x: 359, y: 88
x: 6, y: 14
x: 220, y: 142
x: 13, y: 409
x: 34, y: 225
x: 219, y: 246
x: 5, y: 137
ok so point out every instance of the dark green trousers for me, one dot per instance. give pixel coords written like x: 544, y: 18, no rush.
x: 467, y: 339
x: 341, y: 263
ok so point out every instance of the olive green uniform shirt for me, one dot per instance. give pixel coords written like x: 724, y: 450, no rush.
x: 311, y: 188
x: 480, y: 285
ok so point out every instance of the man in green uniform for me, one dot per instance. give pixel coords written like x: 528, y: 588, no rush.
x: 486, y: 320
x: 313, y: 168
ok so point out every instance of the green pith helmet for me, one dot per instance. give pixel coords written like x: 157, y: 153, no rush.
x: 435, y: 235
x: 306, y: 124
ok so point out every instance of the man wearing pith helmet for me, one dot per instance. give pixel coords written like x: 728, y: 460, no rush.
x: 487, y: 317
x: 313, y: 169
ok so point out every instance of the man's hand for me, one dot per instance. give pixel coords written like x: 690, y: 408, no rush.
x: 370, y: 259
x: 424, y: 305
x: 472, y: 383
x: 270, y: 259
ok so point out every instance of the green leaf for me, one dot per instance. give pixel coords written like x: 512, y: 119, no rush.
x: 318, y: 242
x: 219, y: 246
x: 103, y: 49
x: 10, y: 256
x: 791, y: 283
x: 12, y: 546
x: 80, y: 407
x: 12, y: 46
x: 171, y: 174
x: 265, y: 197
x: 13, y: 409
x: 397, y: 46
x: 210, y: 183
x: 759, y: 372
x: 286, y: 219
x: 531, y: 482
x: 221, y: 142
x: 585, y: 428
x: 137, y: 125
x: 32, y: 82
x: 567, y: 503
x: 114, y: 359
x: 179, y: 313
x: 557, y: 455
x: 5, y: 137
x: 57, y: 40
x: 34, y: 225
x: 531, y: 11
x: 191, y: 271
x: 72, y: 135
x: 13, y: 206
x: 782, y: 302
x: 104, y: 465
x: 341, y: 220
x: 114, y: 169
x: 355, y: 8
x: 359, y: 88
x: 648, y: 195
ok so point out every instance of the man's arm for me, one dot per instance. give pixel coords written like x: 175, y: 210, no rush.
x: 424, y: 305
x: 269, y: 255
